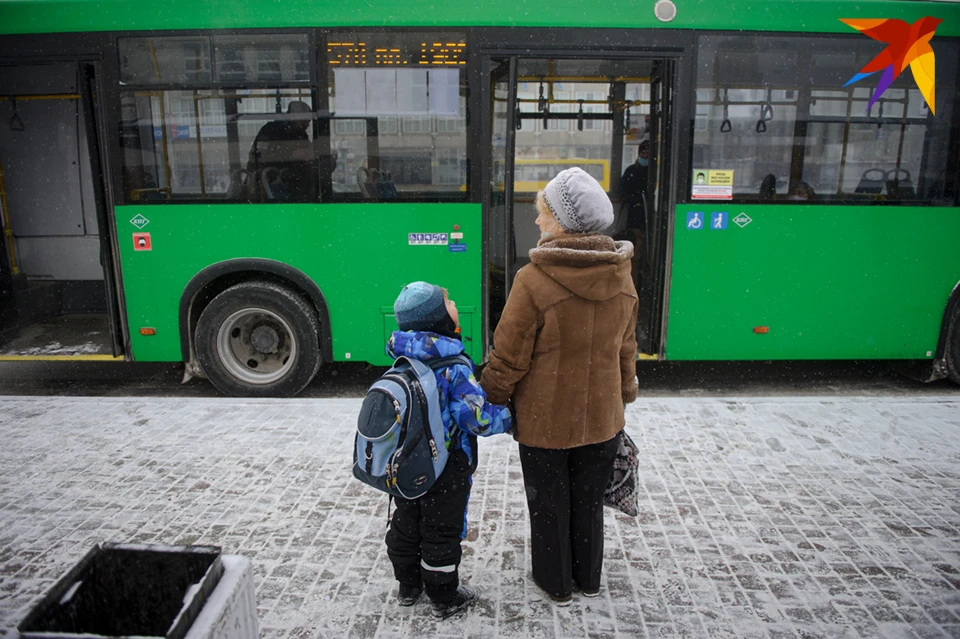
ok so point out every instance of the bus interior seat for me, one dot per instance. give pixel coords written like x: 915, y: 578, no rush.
x: 899, y: 185
x: 386, y: 189
x: 871, y: 182
x: 239, y: 185
x: 273, y: 186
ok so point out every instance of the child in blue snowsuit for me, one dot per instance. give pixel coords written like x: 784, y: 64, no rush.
x: 423, y: 541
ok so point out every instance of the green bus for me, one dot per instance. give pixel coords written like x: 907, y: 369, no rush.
x: 245, y: 187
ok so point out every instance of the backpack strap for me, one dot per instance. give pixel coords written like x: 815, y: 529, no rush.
x: 443, y: 362
x: 423, y: 371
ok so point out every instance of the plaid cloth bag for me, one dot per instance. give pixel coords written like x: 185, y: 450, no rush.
x: 621, y: 491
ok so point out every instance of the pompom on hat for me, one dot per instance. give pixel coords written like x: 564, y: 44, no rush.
x: 578, y: 201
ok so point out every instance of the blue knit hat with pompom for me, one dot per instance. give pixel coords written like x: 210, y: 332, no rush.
x: 419, y: 306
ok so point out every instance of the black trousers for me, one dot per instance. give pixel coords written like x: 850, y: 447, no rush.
x: 423, y: 541
x: 565, y: 498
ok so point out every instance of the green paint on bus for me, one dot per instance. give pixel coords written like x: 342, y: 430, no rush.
x: 23, y: 16
x: 830, y: 282
x: 358, y: 255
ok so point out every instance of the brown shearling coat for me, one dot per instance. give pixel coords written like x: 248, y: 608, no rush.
x: 565, y: 349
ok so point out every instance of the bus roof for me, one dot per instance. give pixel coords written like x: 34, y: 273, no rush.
x: 60, y: 16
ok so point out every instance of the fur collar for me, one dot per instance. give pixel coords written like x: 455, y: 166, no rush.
x: 580, y: 249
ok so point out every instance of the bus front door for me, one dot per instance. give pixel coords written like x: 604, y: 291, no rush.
x: 59, y: 294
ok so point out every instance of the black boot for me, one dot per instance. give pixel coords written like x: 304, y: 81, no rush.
x: 408, y: 595
x: 465, y: 596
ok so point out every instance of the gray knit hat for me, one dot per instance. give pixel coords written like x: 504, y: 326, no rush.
x: 578, y: 201
x: 419, y: 306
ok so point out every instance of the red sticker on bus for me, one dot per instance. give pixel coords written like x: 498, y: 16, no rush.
x: 141, y: 242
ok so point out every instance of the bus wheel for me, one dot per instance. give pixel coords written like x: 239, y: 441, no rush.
x: 258, y: 339
x: 953, y: 347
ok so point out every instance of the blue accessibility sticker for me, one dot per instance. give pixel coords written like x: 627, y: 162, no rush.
x: 458, y: 248
x: 695, y: 220
x: 718, y: 220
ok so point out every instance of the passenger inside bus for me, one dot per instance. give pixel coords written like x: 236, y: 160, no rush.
x: 281, y: 157
x: 801, y: 191
x: 633, y: 187
x: 768, y: 188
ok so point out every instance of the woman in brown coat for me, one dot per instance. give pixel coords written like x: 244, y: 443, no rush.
x: 565, y: 354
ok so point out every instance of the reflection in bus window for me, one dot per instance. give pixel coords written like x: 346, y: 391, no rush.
x: 239, y: 146
x: 204, y: 138
x: 398, y: 105
x: 773, y: 105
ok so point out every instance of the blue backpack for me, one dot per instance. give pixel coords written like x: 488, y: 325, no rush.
x: 400, y: 446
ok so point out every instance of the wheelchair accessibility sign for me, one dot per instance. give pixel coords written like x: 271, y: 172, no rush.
x: 695, y: 220
x: 428, y: 239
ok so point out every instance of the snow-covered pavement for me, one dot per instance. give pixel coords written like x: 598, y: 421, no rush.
x: 774, y: 517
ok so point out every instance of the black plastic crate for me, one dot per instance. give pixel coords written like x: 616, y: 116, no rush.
x: 123, y: 590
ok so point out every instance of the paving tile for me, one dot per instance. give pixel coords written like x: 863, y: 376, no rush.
x: 771, y: 517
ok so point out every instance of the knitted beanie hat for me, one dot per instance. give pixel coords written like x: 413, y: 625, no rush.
x: 419, y: 306
x: 578, y: 201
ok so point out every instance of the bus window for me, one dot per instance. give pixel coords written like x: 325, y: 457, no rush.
x: 207, y: 140
x: 398, y: 111
x: 165, y: 60
x: 238, y: 146
x: 774, y: 111
x: 262, y: 58
x: 239, y: 58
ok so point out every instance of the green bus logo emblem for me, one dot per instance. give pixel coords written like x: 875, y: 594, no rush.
x: 139, y: 221
x: 742, y: 220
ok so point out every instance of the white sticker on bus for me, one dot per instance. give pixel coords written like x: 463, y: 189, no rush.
x: 139, y: 221
x: 428, y: 239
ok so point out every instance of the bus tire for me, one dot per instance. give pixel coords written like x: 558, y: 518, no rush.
x: 258, y: 339
x: 952, y: 353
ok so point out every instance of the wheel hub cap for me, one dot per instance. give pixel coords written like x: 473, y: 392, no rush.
x: 265, y: 339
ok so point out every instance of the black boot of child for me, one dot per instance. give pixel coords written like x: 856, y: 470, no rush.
x: 408, y: 595
x: 464, y: 597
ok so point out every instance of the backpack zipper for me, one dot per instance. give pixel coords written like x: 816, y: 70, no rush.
x: 422, y: 397
x: 393, y: 462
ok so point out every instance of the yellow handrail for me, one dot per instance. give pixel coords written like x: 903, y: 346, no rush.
x: 52, y: 96
x: 7, y: 231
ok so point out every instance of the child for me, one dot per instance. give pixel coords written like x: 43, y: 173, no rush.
x: 423, y: 541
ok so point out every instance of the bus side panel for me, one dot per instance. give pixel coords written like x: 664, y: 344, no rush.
x: 52, y: 16
x: 829, y: 282
x: 359, y: 255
